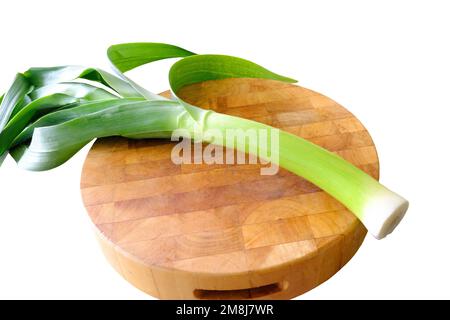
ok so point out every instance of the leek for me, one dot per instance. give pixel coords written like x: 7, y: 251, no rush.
x: 47, y: 116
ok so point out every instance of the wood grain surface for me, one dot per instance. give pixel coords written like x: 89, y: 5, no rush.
x: 197, y: 231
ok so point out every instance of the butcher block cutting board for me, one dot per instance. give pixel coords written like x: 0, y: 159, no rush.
x: 198, y: 231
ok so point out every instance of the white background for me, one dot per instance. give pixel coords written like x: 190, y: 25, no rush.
x: 386, y: 61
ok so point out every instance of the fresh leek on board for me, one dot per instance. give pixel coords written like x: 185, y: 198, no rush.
x: 47, y: 115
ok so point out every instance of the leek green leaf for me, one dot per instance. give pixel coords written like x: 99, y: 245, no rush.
x: 77, y: 90
x: 13, y: 97
x: 127, y: 56
x: 53, y: 145
x: 67, y: 113
x: 206, y: 67
x: 40, y: 161
x: 200, y: 68
x: 35, y: 109
x: 40, y: 77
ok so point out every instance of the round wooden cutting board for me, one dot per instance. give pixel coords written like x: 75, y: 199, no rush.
x: 197, y: 231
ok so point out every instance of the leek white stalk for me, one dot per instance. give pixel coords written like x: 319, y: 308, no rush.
x: 378, y: 208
